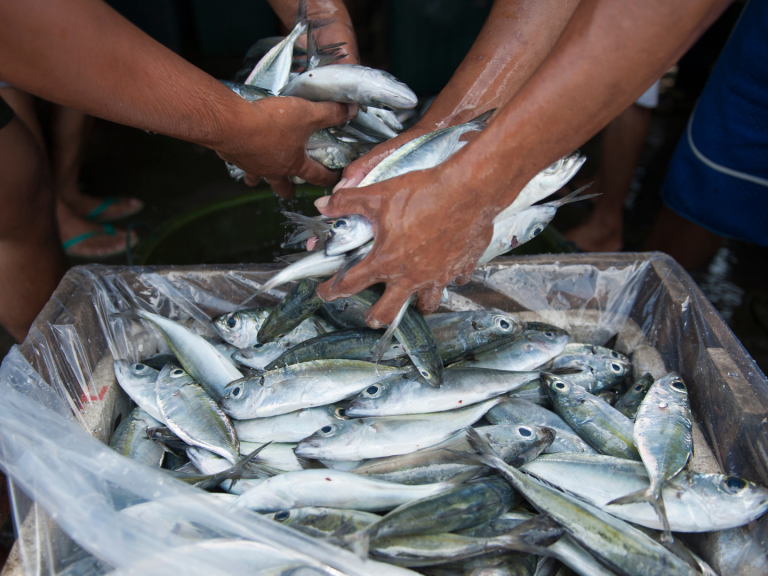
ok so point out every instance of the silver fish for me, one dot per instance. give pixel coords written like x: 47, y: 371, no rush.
x: 411, y: 394
x: 348, y: 233
x: 598, y: 373
x: 364, y: 438
x: 323, y: 522
x: 240, y: 328
x: 258, y: 355
x: 193, y: 416
x: 606, y: 429
x: 578, y: 348
x: 521, y: 411
x: 462, y: 334
x: 274, y: 458
x: 130, y: 439
x: 290, y: 427
x: 250, y: 93
x: 206, y: 365
x: 334, y: 489
x: 515, y: 444
x: 544, y: 184
x: 351, y: 83
x: 301, y: 386
x: 618, y: 545
x: 388, y: 117
x: 537, y: 345
x: 632, y: 398
x: 662, y: 434
x: 373, y: 125
x: 694, y: 502
x: 138, y: 381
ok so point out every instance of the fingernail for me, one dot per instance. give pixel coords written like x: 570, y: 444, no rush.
x: 322, y: 202
x: 352, y: 110
x: 340, y: 185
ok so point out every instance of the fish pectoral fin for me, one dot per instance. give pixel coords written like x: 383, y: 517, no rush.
x: 640, y: 496
x: 534, y: 535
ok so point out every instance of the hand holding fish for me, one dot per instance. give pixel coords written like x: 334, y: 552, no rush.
x: 272, y: 141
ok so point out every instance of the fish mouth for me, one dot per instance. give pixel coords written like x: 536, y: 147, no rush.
x: 353, y: 408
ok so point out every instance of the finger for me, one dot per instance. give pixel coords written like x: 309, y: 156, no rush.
x: 347, y: 201
x: 359, y: 169
x: 358, y: 278
x: 429, y: 299
x: 281, y: 185
x: 325, y: 114
x: 466, y: 275
x: 384, y: 311
x: 316, y: 173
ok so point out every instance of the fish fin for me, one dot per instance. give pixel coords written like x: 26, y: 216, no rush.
x: 565, y: 371
x: 534, y: 535
x: 301, y: 13
x: 612, y: 341
x: 319, y: 327
x: 381, y: 347
x: 642, y: 495
x: 464, y: 476
x: 349, y: 263
x: 646, y: 495
x: 291, y: 258
x: 310, y: 464
x: 316, y: 226
x: 236, y: 471
x: 359, y: 542
x: 483, y: 452
x: 573, y: 197
x: 482, y: 118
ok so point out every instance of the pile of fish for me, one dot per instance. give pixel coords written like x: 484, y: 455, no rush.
x: 277, y: 66
x: 479, y: 444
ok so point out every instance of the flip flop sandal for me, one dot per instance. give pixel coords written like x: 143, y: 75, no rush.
x: 108, y: 230
x: 109, y: 201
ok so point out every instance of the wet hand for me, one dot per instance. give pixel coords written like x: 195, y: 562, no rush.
x: 269, y: 141
x: 430, y: 227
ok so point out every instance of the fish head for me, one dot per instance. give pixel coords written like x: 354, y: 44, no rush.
x: 239, y: 328
x: 383, y: 393
x: 348, y: 233
x: 745, y: 495
x: 328, y: 439
x: 173, y: 375
x: 612, y: 368
x: 558, y: 174
x: 672, y: 385
x: 498, y: 324
x: 546, y: 337
x: 385, y: 91
x: 287, y: 517
x: 562, y: 391
x: 243, y: 397
x: 136, y: 373
x: 641, y: 386
x: 517, y: 444
x: 532, y: 222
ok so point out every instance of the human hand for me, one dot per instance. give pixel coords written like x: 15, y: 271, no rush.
x: 270, y: 137
x: 431, y: 227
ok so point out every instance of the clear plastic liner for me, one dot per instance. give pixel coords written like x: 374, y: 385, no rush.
x: 61, y: 403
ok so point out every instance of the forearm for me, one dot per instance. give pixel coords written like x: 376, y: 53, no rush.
x: 340, y: 31
x: 516, y: 38
x: 83, y: 54
x: 610, y: 52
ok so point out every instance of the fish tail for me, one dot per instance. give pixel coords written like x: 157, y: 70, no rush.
x: 483, y: 452
x: 301, y: 13
x: 482, y: 118
x: 655, y: 500
x: 658, y: 506
x: 236, y: 471
x: 573, y: 197
x: 359, y: 542
x: 533, y: 536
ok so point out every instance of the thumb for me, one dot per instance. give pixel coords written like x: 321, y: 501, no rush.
x: 345, y: 201
x: 325, y: 114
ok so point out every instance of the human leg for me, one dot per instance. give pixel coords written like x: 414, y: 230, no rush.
x: 687, y: 242
x: 31, y: 259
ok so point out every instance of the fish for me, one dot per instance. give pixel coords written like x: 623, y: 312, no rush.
x: 240, y: 327
x: 165, y: 436
x: 388, y: 117
x: 207, y: 481
x: 335, y: 489
x: 193, y: 416
x: 544, y: 184
x: 348, y: 233
x: 258, y: 356
x: 250, y: 93
x: 273, y: 69
x: 462, y: 334
x: 538, y: 344
x: 521, y: 411
x: 461, y: 507
x: 602, y: 426
x: 257, y: 50
x: 411, y: 394
x: 305, y: 385
x: 351, y: 83
x: 350, y: 344
x: 523, y: 226
x: 695, y: 502
x: 275, y: 458
x: 663, y: 436
x: 619, y: 546
x: 631, y: 399
x: 332, y: 152
x: 206, y: 365
x: 598, y: 373
x: 130, y: 439
x: 290, y: 427
x: 323, y: 522
x: 581, y: 349
x: 297, y: 305
x: 138, y: 381
x: 429, y: 550
x: 363, y: 438
x: 373, y: 125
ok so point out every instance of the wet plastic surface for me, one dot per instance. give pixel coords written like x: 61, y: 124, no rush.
x: 61, y: 402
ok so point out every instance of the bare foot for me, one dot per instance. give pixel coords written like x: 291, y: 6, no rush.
x: 99, y: 245
x: 597, y: 235
x: 84, y: 205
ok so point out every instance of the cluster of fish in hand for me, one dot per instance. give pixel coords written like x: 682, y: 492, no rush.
x: 278, y: 66
x: 480, y: 444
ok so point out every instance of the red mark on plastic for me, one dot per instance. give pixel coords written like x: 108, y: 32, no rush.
x: 92, y: 398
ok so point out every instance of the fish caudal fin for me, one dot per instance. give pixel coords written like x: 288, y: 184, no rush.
x: 483, y: 452
x: 383, y: 345
x: 573, y: 197
x: 646, y: 495
x: 533, y: 536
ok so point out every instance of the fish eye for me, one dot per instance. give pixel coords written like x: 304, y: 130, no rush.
x: 177, y: 373
x: 258, y: 345
x: 678, y: 385
x: 524, y: 431
x: 424, y: 373
x: 373, y: 390
x: 733, y: 484
x: 537, y: 230
x: 639, y: 388
x: 138, y: 367
x: 327, y: 430
x: 560, y: 385
x: 282, y: 516
x: 616, y: 368
x: 549, y: 334
x: 504, y: 324
x: 614, y: 354
x: 341, y: 412
x: 231, y: 321
x: 236, y: 391
x: 340, y: 223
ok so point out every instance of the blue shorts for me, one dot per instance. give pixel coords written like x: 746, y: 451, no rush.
x: 718, y: 177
